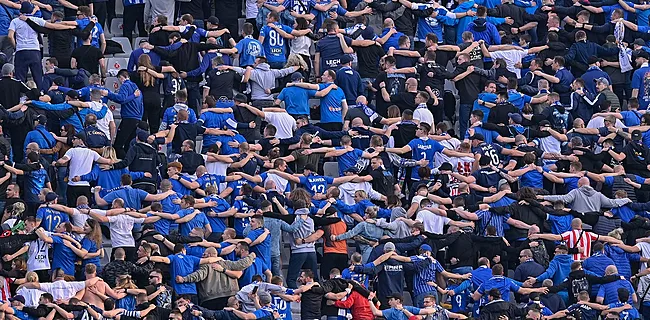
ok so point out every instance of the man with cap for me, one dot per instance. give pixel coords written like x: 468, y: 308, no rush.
x: 15, y: 307
x: 80, y: 161
x: 639, y: 80
x: 135, y: 55
x: 41, y: 136
x: 48, y: 218
x: 594, y: 72
x: 349, y: 80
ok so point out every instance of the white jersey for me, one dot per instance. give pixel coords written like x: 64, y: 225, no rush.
x: 218, y: 168
x: 462, y: 166
x: 38, y: 257
x: 103, y: 124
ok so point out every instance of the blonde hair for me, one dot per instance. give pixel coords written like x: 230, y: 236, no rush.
x: 124, y: 281
x: 616, y: 233
x: 147, y: 79
x: 109, y: 153
x: 31, y: 276
x: 296, y: 60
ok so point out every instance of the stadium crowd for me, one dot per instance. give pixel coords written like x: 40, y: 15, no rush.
x: 347, y: 159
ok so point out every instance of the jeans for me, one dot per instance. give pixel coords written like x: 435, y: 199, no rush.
x: 463, y: 118
x: 297, y: 262
x: 62, y: 185
x: 276, y: 265
x: 462, y: 270
x: 29, y: 60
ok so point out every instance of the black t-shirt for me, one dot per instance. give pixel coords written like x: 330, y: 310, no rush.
x: 394, y: 85
x: 87, y: 58
x: 368, y: 60
x: 3, y: 186
x: 383, y: 181
x: 221, y: 82
x: 404, y: 100
x: 154, y: 89
x: 185, y: 131
x: 475, y: 56
x: 469, y: 86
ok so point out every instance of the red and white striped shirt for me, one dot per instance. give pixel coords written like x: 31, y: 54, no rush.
x: 573, y: 239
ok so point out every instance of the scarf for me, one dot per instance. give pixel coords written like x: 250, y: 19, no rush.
x: 623, y: 57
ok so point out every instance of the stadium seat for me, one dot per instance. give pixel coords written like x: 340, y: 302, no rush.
x: 116, y: 26
x: 116, y: 63
x: 112, y: 84
x: 126, y: 47
x: 331, y: 169
x: 46, y: 49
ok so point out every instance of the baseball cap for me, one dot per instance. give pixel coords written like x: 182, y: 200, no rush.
x: 639, y: 42
x: 72, y: 93
x: 544, y: 123
x: 643, y: 54
x: 637, y: 135
x: 142, y: 135
x: 389, y: 246
x: 213, y: 20
x: 477, y: 136
x: 346, y: 59
x: 516, y: 117
x: 18, y: 297
x: 42, y: 119
x: 51, y: 196
x: 296, y: 76
x: 143, y: 41
x: 602, y: 80
x: 368, y: 33
x: 425, y: 247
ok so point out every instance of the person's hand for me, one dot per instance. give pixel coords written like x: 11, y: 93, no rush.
x: 251, y: 124
x: 104, y: 92
x: 333, y: 237
x: 229, y: 309
x: 142, y: 260
x: 137, y: 93
x: 179, y: 279
x: 98, y: 188
x: 76, y: 178
x: 514, y: 30
x: 307, y: 152
x: 470, y: 68
x: 546, y: 8
x: 196, y: 313
x: 218, y: 268
x: 453, y: 260
x: 492, y: 190
x: 7, y: 257
x: 23, y: 108
x: 382, y: 85
x: 509, y: 21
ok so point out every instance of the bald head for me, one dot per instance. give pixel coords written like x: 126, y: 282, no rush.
x: 411, y: 84
x: 576, y: 224
x: 357, y: 122
x: 611, y: 269
x: 584, y: 181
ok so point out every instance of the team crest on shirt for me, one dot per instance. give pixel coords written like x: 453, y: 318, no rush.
x: 253, y: 49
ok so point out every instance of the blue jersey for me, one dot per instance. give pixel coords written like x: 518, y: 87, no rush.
x: 263, y: 249
x: 459, y: 300
x: 629, y: 314
x: 180, y: 188
x: 241, y: 223
x: 199, y: 221
x: 170, y: 114
x: 210, y: 179
x: 248, y: 49
x: 331, y: 105
x: 274, y: 46
x: 217, y: 224
x: 236, y: 187
x: 182, y: 265
x: 296, y: 100
x: 641, y: 81
x: 504, y: 284
x: 321, y: 16
x: 35, y: 182
x: 361, y: 278
x: 95, y: 33
x: 348, y: 159
x: 487, y: 97
x: 51, y: 218
x: 91, y: 247
x: 65, y: 258
x: 284, y: 307
x: 424, y: 149
x: 316, y: 184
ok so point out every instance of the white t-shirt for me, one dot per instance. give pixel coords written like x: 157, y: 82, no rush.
x: 216, y: 167
x: 599, y: 122
x: 432, y: 222
x: 423, y: 114
x: 31, y: 296
x: 81, y: 162
x: 280, y: 183
x: 62, y: 289
x: 285, y: 123
x: 121, y: 227
x: 511, y: 57
x: 38, y: 257
x: 645, y: 253
x: 78, y: 218
x: 26, y: 37
x: 103, y: 123
x: 301, y: 45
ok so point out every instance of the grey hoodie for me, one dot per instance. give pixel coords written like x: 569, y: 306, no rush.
x: 586, y: 199
x: 303, y: 231
x: 395, y: 229
x: 263, y: 77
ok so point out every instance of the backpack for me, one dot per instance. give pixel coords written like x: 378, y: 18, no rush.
x: 560, y: 118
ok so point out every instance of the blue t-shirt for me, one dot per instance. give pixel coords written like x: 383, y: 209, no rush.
x: 248, y: 49
x: 182, y: 265
x: 331, y: 105
x: 505, y: 285
x: 487, y: 97
x: 533, y: 179
x: 641, y: 81
x: 179, y: 187
x: 64, y: 257
x: 91, y: 246
x: 199, y: 221
x: 51, y: 218
x: 132, y: 197
x: 296, y: 100
x: 217, y: 224
x: 274, y: 46
x: 631, y: 118
x: 34, y: 183
x: 394, y: 314
x: 348, y: 160
x: 331, y: 51
x: 518, y: 99
x: 284, y: 307
x: 629, y: 314
x: 263, y: 249
x: 316, y: 184
x: 424, y: 149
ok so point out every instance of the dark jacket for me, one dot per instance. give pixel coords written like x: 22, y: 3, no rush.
x: 141, y: 157
x: 573, y: 283
x: 494, y: 309
x: 185, y: 56
x: 580, y: 52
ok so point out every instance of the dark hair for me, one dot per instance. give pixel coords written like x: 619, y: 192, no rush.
x: 301, y: 23
x: 126, y: 180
